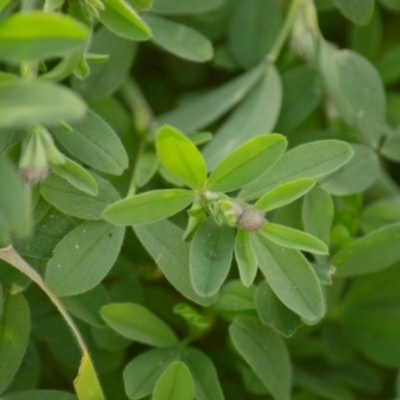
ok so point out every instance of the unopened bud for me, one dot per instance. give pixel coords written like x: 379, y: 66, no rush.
x: 250, y: 219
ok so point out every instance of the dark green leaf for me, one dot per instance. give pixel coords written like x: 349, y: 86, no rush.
x: 235, y: 297
x: 210, y: 256
x: 391, y: 147
x: 186, y: 7
x: 148, y: 207
x: 380, y: 213
x: 266, y: 353
x: 39, y: 394
x: 357, y: 11
x: 83, y: 258
x: 245, y: 258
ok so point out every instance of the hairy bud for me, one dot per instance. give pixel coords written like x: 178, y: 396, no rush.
x: 248, y: 218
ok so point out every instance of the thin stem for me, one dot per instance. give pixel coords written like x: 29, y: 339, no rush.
x: 285, y: 31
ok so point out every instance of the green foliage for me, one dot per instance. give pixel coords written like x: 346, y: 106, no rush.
x: 204, y: 195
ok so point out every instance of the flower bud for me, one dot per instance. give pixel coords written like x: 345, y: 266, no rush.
x: 250, y: 219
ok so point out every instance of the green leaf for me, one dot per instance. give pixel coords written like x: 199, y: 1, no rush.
x: 137, y: 323
x: 302, y: 92
x: 272, y: 312
x: 291, y: 277
x: 72, y: 201
x: 206, y: 108
x: 380, y: 213
x: 15, y: 325
x: 28, y: 103
x: 371, y: 253
x: 245, y: 258
x: 83, y: 258
x: 86, y: 306
x: 142, y: 373
x: 391, y: 147
x: 15, y: 215
x: 246, y: 163
x: 120, y: 18
x: 355, y: 87
x: 95, y: 143
x: 36, y: 35
x: 163, y: 241
x: 146, y: 166
x: 39, y: 394
x: 387, y: 65
x: 181, y: 157
x: 187, y: 7
x: 356, y: 176
x: 148, y: 207
x: 392, y: 5
x: 179, y: 39
x: 76, y: 175
x: 310, y: 160
x: 175, y: 383
x: 293, y: 238
x: 266, y: 353
x: 235, y: 297
x: 256, y: 115
x: 210, y: 256
x: 284, y: 194
x: 357, y: 11
x: 106, y: 78
x: 206, y: 383
x: 253, y: 30
x: 317, y: 213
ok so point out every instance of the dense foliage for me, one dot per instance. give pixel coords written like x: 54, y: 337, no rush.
x: 198, y: 199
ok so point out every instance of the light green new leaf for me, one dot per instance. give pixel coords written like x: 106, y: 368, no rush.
x: 179, y: 39
x: 357, y: 90
x: 210, y: 256
x: 293, y: 238
x: 123, y: 20
x: 206, y: 383
x: 76, y: 175
x: 284, y: 194
x: 15, y: 325
x: 266, y: 353
x: 95, y: 143
x: 206, y: 108
x: 83, y: 258
x: 253, y: 30
x: 356, y: 176
x: 39, y: 394
x: 106, y: 78
x: 142, y: 373
x: 27, y: 103
x: 72, y: 201
x: 291, y: 277
x: 371, y: 253
x: 163, y: 241
x: 245, y: 258
x: 246, y: 163
x: 176, y: 383
x: 310, y: 160
x: 184, y: 7
x: 256, y: 115
x: 181, y: 157
x: 36, y: 35
x: 317, y: 213
x: 358, y: 11
x: 272, y: 312
x: 137, y: 323
x: 14, y: 204
x: 148, y: 207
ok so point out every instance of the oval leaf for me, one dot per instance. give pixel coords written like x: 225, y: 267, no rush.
x: 136, y: 322
x: 266, y: 353
x: 310, y: 160
x: 36, y: 35
x: 291, y: 277
x: 181, y: 157
x: 210, y: 256
x: 179, y: 39
x: 246, y: 163
x: 245, y: 258
x: 184, y: 7
x: 372, y: 253
x: 83, y: 258
x: 284, y: 194
x: 148, y: 207
x: 176, y: 383
x: 293, y: 238
x: 27, y: 103
x: 95, y: 143
x: 359, y: 12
